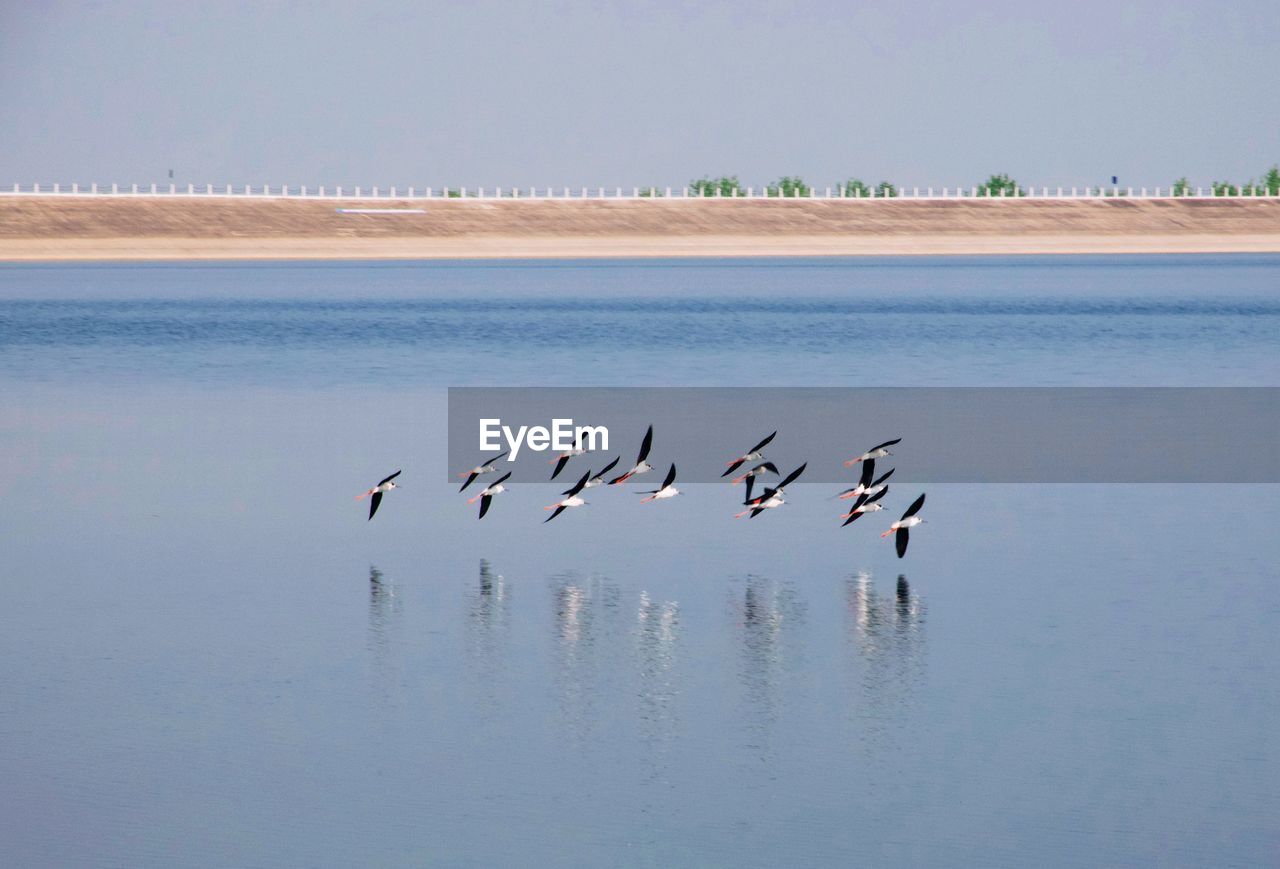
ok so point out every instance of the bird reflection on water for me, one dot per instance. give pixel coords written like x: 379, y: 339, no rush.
x: 888, y: 636
x: 587, y: 632
x: 488, y: 634
x: 657, y: 647
x: 385, y: 614
x: 384, y: 610
x: 769, y: 620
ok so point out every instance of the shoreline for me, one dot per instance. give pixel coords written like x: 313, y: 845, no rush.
x: 85, y: 229
x: 173, y: 250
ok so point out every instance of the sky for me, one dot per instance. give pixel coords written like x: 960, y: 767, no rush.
x: 406, y: 92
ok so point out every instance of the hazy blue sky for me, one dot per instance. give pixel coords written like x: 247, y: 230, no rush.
x: 478, y: 93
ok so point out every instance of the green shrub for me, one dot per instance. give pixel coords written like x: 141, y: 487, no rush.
x: 1000, y: 185
x: 651, y: 192
x: 1271, y: 181
x: 853, y: 187
x: 788, y: 186
x: 725, y: 185
x: 886, y: 190
x: 1182, y: 187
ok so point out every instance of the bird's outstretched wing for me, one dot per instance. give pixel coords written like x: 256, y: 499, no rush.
x: 671, y: 476
x: 484, y: 505
x: 872, y: 499
x: 793, y: 476
x: 900, y: 539
x: 645, y: 445
x: 914, y: 508
x: 470, y: 479
x: 389, y: 479
x: 564, y: 460
x: 751, y: 481
x: 733, y: 466
x: 559, y: 510
x: 853, y: 517
x: 868, y: 471
x: 577, y: 487
x: 607, y: 468
x: 885, y: 444
x: 886, y: 475
x: 764, y: 443
x: 373, y: 505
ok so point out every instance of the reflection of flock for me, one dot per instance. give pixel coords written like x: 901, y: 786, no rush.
x: 866, y: 495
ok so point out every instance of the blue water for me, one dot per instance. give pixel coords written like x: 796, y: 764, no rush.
x: 209, y: 657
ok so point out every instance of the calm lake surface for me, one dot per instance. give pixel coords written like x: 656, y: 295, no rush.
x: 208, y: 657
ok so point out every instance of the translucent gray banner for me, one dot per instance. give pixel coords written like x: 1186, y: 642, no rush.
x: 949, y: 435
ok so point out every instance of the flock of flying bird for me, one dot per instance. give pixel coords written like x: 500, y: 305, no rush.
x: 866, y: 495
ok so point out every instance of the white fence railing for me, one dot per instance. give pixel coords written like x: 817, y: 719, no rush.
x: 284, y: 191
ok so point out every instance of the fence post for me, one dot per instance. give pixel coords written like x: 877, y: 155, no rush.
x: 1199, y: 191
x: 94, y: 188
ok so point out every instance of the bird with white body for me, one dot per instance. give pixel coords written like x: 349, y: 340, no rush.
x: 770, y: 498
x: 901, y: 527
x: 641, y: 466
x: 751, y: 455
x: 486, y: 495
x: 666, y: 491
x: 572, y: 499
x: 487, y: 468
x: 386, y: 485
x: 876, y: 452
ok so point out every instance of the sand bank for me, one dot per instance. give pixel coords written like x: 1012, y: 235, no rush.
x: 182, y: 228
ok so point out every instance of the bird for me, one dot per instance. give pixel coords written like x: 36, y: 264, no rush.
x: 667, y: 490
x: 641, y: 465
x: 385, y: 486
x: 752, y: 454
x: 909, y: 519
x: 563, y: 459
x: 877, y: 452
x: 750, y: 476
x: 865, y: 504
x: 598, y: 479
x: 867, y: 486
x: 770, y: 498
x: 487, y: 468
x: 486, y: 495
x: 573, y: 499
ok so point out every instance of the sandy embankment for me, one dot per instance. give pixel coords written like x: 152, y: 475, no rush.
x: 124, y: 228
